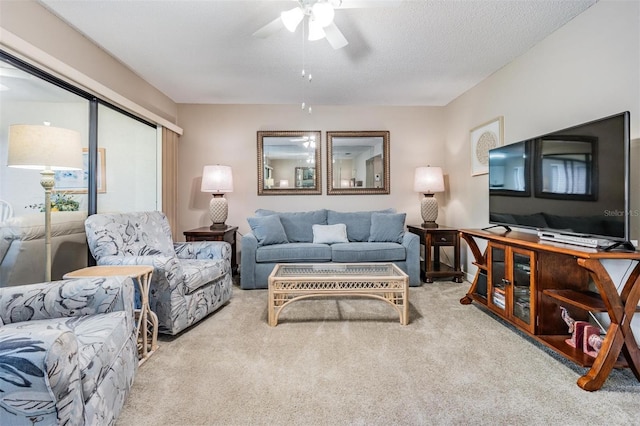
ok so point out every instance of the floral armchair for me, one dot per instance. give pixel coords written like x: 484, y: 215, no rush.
x: 68, y: 351
x: 189, y: 281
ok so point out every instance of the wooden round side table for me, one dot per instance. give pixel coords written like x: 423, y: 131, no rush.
x: 147, y: 320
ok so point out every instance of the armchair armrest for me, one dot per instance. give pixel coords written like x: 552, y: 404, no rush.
x: 41, y: 376
x: 203, y: 250
x: 66, y: 298
x: 167, y: 271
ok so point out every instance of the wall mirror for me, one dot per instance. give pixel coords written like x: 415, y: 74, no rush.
x: 289, y: 163
x: 358, y: 162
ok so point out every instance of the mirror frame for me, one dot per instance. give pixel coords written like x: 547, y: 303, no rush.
x: 316, y: 190
x: 386, y: 185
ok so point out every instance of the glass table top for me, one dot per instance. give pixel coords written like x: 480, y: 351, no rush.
x: 337, y: 269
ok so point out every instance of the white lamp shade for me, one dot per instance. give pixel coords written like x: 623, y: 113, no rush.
x: 428, y: 180
x: 44, y: 147
x: 291, y: 18
x: 284, y: 183
x: 217, y: 179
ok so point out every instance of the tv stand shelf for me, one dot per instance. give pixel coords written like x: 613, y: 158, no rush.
x: 585, y: 300
x: 526, y: 281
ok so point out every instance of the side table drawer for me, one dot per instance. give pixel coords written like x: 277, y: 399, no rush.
x: 444, y: 239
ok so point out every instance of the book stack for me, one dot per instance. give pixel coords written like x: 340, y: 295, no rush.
x: 498, y: 297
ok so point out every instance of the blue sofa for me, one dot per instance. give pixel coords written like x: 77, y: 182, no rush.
x: 320, y: 236
x: 68, y: 351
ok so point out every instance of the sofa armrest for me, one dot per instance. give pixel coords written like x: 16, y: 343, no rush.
x: 248, y: 248
x: 7, y: 235
x: 41, y: 375
x: 66, y: 298
x: 203, y: 250
x: 411, y: 243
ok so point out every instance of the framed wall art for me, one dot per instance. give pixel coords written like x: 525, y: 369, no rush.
x: 77, y: 181
x: 483, y: 138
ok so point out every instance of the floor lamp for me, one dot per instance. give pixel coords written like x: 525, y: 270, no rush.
x: 46, y: 149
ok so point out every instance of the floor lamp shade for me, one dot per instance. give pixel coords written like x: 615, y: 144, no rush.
x: 428, y: 180
x: 41, y: 147
x: 46, y: 149
x: 217, y: 180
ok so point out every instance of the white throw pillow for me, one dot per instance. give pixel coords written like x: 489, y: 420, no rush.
x: 330, y: 234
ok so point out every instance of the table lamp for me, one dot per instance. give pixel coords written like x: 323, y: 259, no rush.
x: 428, y: 180
x: 217, y: 180
x: 46, y: 149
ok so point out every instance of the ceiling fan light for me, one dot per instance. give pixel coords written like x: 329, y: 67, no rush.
x: 291, y: 18
x: 315, y: 31
x: 323, y: 13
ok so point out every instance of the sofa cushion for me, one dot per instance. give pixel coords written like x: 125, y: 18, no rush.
x: 268, y: 230
x: 199, y: 272
x: 31, y: 226
x: 294, y: 252
x: 358, y: 223
x: 298, y: 225
x: 387, y: 227
x: 367, y: 252
x: 330, y: 234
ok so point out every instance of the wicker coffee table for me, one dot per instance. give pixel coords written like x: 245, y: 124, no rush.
x: 385, y: 281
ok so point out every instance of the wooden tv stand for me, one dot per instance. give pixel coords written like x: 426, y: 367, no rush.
x: 526, y: 282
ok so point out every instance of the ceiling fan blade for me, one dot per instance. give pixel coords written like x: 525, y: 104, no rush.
x: 334, y: 36
x: 271, y: 28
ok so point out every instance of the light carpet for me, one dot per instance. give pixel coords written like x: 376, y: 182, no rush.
x: 350, y: 361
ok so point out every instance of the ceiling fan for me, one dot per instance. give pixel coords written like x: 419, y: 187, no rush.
x: 318, y: 16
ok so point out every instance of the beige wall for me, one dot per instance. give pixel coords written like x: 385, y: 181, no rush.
x: 586, y: 70
x: 34, y: 24
x: 226, y: 134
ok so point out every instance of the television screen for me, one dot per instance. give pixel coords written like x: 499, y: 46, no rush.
x: 579, y: 176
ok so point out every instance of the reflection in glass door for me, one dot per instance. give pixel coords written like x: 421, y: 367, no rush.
x: 26, y: 99
x: 521, y: 270
x: 128, y: 158
x: 498, y: 292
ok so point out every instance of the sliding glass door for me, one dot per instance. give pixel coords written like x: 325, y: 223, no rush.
x: 122, y: 152
x: 127, y: 172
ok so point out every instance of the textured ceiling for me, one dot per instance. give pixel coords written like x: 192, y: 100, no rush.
x: 399, y: 52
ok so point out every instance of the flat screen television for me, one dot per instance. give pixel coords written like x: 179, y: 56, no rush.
x: 573, y: 181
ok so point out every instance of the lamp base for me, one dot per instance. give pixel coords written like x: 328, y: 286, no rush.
x: 429, y: 225
x: 218, y: 211
x: 47, y: 180
x: 216, y: 226
x: 429, y: 211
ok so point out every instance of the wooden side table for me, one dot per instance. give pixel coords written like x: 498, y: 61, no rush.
x: 432, y: 239
x: 227, y: 234
x: 147, y: 320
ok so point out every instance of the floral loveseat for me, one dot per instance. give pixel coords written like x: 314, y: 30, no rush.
x: 189, y: 281
x: 326, y: 236
x: 68, y: 351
